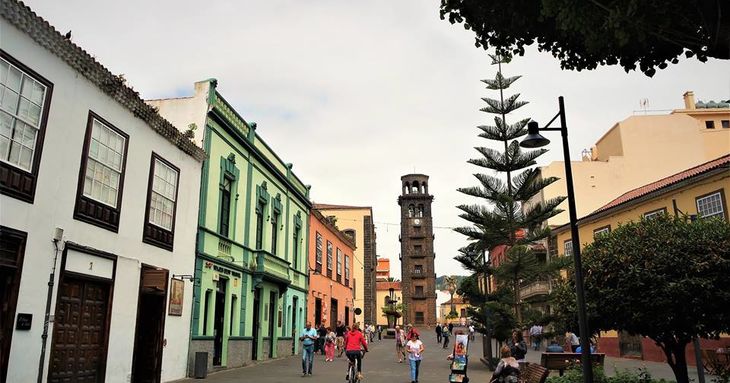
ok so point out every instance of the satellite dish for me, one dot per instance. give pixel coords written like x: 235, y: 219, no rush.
x: 358, y: 311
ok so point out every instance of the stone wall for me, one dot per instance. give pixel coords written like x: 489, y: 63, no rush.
x: 239, y: 352
x: 200, y: 346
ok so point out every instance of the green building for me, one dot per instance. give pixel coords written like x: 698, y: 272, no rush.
x: 251, y: 256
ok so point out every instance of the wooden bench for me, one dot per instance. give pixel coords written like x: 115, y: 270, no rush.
x: 561, y: 361
x: 534, y: 373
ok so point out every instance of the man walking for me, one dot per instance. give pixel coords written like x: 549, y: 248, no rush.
x: 438, y: 333
x: 308, y: 339
x: 340, y: 331
x: 321, y: 335
x: 536, y: 336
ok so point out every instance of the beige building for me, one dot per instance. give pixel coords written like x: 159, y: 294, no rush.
x: 383, y: 297
x: 641, y: 149
x: 357, y: 222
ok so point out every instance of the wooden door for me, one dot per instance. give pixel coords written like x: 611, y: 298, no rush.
x: 150, y: 328
x: 80, y: 332
x: 12, y: 249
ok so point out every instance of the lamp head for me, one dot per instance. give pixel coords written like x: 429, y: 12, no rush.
x: 534, y: 139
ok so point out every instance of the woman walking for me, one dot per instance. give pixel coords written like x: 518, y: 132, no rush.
x: 508, y: 369
x: 329, y: 346
x: 400, y: 344
x: 415, y: 351
x: 518, y: 347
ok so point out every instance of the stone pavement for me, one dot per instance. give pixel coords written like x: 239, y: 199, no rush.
x: 381, y: 365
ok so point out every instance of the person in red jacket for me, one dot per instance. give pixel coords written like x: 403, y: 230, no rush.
x: 353, y: 340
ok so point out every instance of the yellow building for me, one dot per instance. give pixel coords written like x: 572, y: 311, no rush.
x: 700, y: 191
x: 383, y: 297
x: 638, y: 150
x: 357, y: 222
x: 459, y: 305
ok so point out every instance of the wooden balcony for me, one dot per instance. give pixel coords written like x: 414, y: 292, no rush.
x: 534, y: 289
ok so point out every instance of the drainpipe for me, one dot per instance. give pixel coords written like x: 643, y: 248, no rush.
x: 57, y: 237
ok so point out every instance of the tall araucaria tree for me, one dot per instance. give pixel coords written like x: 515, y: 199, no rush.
x: 508, y: 183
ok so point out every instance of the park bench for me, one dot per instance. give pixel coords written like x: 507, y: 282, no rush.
x: 561, y: 361
x: 533, y: 373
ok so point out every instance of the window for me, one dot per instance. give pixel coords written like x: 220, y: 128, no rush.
x: 419, y: 291
x: 600, y: 231
x: 419, y: 317
x: 411, y: 210
x: 98, y: 199
x: 710, y: 124
x: 711, y: 205
x: 161, y: 203
x: 419, y: 211
x: 274, y: 232
x: 552, y: 246
x: 329, y: 259
x: 568, y: 248
x: 295, y: 258
x: 347, y: 270
x: 725, y: 124
x: 339, y: 265
x: 260, y: 226
x: 225, y: 209
x: 418, y: 269
x: 318, y: 252
x: 417, y: 249
x: 24, y: 100
x: 655, y: 213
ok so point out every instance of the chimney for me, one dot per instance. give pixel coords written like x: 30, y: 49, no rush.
x: 689, y: 100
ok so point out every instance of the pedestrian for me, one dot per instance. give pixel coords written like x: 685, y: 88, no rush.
x: 415, y: 352
x: 355, y: 342
x: 380, y: 332
x: 329, y: 346
x: 372, y: 333
x: 508, y: 369
x: 536, y: 336
x: 571, y: 341
x: 400, y: 344
x: 308, y: 339
x: 445, y: 334
x: 438, y: 333
x: 321, y: 335
x: 411, y: 331
x: 472, y: 332
x: 517, y: 346
x: 451, y: 328
x: 340, y: 332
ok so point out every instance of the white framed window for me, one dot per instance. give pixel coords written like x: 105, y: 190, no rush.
x: 568, y: 248
x: 104, y: 166
x: 710, y: 205
x: 22, y: 98
x: 163, y: 196
x: 655, y: 213
x: 600, y: 231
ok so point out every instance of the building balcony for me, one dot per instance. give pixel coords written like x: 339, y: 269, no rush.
x: 271, y: 268
x: 534, y: 289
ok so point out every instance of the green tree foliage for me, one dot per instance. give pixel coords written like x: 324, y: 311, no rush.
x: 664, y: 278
x: 507, y: 182
x: 585, y: 34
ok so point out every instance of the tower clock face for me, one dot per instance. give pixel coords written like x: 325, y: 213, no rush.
x: 416, y: 221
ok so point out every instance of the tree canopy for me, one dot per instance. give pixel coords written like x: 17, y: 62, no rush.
x: 664, y: 278
x: 586, y: 34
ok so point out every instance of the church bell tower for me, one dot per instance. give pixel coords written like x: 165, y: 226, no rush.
x: 418, y: 277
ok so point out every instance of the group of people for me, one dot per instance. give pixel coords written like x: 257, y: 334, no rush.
x: 409, y: 346
x: 349, y: 340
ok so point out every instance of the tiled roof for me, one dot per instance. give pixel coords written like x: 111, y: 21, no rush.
x: 723, y: 161
x: 324, y: 206
x: 387, y: 285
x: 23, y: 18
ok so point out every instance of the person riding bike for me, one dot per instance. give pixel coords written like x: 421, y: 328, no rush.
x: 353, y: 341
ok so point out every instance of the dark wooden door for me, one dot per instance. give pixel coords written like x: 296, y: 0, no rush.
x: 78, y: 352
x: 294, y: 329
x: 12, y: 249
x: 272, y: 322
x: 150, y: 329
x: 333, y: 312
x: 256, y: 324
x: 218, y: 322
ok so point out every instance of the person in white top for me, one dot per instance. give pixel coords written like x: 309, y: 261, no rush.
x: 471, y: 331
x: 415, y: 351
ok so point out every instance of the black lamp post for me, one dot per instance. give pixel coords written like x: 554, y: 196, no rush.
x: 535, y: 140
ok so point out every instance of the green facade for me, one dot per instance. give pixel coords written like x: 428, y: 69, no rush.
x: 235, y: 267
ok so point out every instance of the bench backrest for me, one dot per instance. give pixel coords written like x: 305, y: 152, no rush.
x: 562, y: 360
x: 534, y: 373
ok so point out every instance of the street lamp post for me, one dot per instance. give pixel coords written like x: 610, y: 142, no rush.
x: 535, y: 140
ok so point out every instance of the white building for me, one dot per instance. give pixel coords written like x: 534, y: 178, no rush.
x: 80, y: 151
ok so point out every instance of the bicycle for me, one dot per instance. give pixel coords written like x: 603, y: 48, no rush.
x: 352, y: 375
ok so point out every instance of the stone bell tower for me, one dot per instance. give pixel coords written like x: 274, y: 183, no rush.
x: 416, y: 238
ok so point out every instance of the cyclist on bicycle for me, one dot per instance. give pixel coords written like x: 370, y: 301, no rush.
x: 353, y: 340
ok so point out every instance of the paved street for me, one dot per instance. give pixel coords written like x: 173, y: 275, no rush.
x: 381, y: 366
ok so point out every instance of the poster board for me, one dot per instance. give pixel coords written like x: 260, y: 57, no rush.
x: 460, y: 359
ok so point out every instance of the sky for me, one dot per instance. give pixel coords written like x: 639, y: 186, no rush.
x: 357, y: 94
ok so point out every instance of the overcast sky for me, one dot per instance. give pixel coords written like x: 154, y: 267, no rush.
x: 356, y: 94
